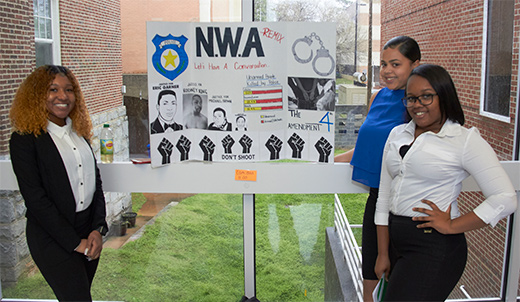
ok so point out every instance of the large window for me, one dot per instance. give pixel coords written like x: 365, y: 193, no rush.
x: 46, y: 32
x: 497, y: 59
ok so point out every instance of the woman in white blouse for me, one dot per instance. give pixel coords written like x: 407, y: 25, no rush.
x: 424, y: 164
x: 59, y: 180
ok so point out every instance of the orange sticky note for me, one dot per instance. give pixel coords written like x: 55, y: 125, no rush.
x: 245, y: 175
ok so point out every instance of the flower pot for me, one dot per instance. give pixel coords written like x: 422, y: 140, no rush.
x: 130, y: 218
x: 120, y: 228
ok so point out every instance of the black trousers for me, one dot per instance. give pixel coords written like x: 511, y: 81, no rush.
x: 70, y: 277
x: 369, y: 237
x: 427, y: 264
x: 71, y: 280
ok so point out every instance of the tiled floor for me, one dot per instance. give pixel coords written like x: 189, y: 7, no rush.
x: 155, y: 202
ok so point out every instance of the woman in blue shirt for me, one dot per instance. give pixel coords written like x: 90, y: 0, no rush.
x: 399, y: 57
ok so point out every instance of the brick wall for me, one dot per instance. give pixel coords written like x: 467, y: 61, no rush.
x: 16, y: 57
x: 91, y: 48
x: 17, y: 60
x: 449, y: 33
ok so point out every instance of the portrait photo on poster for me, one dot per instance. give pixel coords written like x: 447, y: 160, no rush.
x: 220, y: 121
x: 311, y: 93
x: 240, y: 122
x: 195, y: 111
x: 166, y: 102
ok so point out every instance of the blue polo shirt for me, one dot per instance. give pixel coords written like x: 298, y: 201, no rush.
x: 386, y: 112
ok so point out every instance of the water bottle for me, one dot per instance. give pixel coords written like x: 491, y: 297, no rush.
x: 107, y: 144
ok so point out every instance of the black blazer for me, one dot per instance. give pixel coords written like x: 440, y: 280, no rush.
x: 51, y: 208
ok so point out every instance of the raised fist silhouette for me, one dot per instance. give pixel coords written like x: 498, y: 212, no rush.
x: 227, y: 143
x: 183, y: 145
x: 166, y: 149
x: 208, y: 147
x: 323, y: 147
x: 246, y: 142
x: 296, y: 143
x: 274, y: 145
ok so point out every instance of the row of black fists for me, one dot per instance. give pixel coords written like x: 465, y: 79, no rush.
x: 273, y: 144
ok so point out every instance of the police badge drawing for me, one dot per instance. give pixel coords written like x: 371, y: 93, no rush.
x: 239, y: 92
x: 175, y: 61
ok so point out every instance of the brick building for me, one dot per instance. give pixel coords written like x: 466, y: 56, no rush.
x: 86, y: 37
x: 477, y: 42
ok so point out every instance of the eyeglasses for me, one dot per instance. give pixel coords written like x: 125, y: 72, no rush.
x: 425, y: 100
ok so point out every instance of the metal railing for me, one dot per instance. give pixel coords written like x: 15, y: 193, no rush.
x: 351, y: 250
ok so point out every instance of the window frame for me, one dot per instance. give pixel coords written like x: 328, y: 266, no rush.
x: 55, y: 30
x: 483, y: 81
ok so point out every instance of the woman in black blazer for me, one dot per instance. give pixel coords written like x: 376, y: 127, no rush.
x: 59, y: 180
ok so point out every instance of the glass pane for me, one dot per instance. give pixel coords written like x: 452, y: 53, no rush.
x: 47, y: 8
x: 37, y: 33
x: 43, y: 53
x: 41, y: 8
x: 48, y: 27
x: 42, y: 27
x: 499, y: 57
x: 290, y: 245
x: 181, y: 247
x: 35, y: 7
x: 291, y: 232
x: 191, y: 250
x: 351, y: 55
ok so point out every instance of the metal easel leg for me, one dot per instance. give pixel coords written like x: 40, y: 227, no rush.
x: 249, y: 248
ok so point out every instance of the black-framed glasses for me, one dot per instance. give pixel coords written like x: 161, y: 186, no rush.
x: 425, y: 99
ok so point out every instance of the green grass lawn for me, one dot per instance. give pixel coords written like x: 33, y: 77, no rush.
x: 194, y: 252
x: 138, y: 200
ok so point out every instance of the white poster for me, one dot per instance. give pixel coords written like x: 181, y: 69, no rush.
x: 241, y: 91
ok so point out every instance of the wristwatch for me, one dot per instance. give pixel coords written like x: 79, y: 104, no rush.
x: 102, y: 230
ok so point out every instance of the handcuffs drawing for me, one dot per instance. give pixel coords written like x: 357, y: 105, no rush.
x: 322, y: 52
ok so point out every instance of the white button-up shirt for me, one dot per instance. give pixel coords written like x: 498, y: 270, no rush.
x: 79, y: 162
x: 434, y: 168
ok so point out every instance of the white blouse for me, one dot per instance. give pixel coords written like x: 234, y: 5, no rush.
x: 434, y: 168
x: 79, y: 162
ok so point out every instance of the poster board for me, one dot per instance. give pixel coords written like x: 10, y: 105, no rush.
x: 239, y: 92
